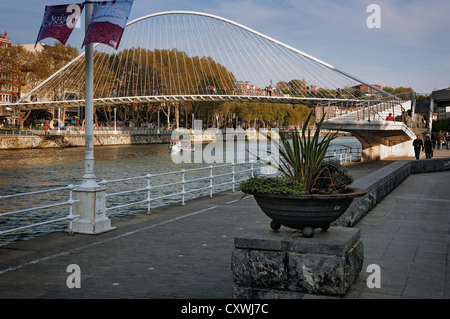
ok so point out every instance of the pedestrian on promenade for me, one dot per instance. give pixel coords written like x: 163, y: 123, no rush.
x: 428, y: 148
x: 440, y: 139
x: 418, y: 146
x: 433, y: 139
x: 447, y: 139
x: 390, y: 117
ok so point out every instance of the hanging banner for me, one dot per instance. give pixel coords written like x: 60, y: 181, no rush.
x: 59, y: 22
x: 108, y: 22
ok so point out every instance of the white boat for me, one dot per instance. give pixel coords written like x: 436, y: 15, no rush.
x: 180, y: 146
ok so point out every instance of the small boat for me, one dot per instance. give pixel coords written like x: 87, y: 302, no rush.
x: 180, y: 146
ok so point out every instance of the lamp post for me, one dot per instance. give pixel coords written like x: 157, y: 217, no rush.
x: 59, y: 120
x: 89, y: 175
x: 157, y: 131
x: 90, y: 197
x: 115, y: 121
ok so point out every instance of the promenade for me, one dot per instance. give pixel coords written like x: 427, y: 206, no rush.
x: 184, y: 252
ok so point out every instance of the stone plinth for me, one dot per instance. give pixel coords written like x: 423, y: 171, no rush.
x: 91, y: 209
x: 284, y: 264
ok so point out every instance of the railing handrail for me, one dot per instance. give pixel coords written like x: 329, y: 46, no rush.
x: 70, y: 202
x: 236, y: 175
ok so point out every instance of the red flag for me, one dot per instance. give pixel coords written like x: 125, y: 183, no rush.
x: 108, y: 22
x: 59, y: 21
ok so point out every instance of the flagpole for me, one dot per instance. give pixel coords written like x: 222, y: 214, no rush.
x: 89, y: 174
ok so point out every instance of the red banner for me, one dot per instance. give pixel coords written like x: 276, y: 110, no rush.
x: 59, y: 21
x: 108, y: 22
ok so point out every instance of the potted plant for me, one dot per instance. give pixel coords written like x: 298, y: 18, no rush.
x: 312, y: 191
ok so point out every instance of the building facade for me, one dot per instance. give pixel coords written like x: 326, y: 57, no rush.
x: 441, y: 100
x: 9, y: 86
x: 4, y: 40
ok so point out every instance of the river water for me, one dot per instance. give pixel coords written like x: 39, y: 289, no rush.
x: 30, y: 170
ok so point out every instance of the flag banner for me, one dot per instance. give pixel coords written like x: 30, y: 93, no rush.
x: 108, y: 22
x: 59, y: 22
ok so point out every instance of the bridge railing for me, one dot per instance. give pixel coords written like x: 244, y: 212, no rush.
x: 371, y: 110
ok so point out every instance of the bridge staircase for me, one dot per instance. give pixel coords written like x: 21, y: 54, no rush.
x: 366, y: 120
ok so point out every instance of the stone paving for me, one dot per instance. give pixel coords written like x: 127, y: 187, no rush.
x: 184, y: 252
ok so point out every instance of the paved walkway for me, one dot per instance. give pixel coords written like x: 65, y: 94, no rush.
x: 184, y: 252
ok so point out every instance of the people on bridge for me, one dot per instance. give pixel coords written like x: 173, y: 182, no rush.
x: 428, y: 148
x: 390, y: 117
x: 408, y: 121
x: 418, y: 146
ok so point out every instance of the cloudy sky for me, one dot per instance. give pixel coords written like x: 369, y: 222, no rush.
x: 411, y: 48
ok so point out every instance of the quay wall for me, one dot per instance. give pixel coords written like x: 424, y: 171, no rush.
x: 10, y: 142
x: 380, y: 183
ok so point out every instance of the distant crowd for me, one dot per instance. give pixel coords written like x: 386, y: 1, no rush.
x: 440, y: 139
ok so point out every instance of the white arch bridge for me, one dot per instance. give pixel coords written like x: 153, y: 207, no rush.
x: 182, y: 56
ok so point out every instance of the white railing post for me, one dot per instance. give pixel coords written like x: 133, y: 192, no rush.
x: 233, y: 180
x: 251, y: 170
x: 210, y: 181
x: 183, y: 182
x: 71, y: 202
x: 149, y: 200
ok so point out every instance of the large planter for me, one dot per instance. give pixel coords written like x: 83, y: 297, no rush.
x: 305, y: 212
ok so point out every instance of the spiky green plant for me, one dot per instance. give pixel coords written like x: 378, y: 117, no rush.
x: 302, y: 160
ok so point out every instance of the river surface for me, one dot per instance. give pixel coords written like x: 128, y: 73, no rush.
x: 30, y: 170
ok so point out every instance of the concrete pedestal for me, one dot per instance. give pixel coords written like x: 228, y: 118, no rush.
x: 91, y: 209
x: 284, y: 264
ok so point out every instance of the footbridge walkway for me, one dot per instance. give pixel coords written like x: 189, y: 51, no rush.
x: 380, y: 138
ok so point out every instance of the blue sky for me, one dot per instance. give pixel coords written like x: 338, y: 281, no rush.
x: 411, y: 48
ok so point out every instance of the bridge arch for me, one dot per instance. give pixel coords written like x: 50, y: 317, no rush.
x: 234, y: 56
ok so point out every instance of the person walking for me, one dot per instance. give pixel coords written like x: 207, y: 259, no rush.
x: 433, y: 139
x: 418, y: 146
x: 440, y: 139
x: 428, y: 146
x: 447, y: 140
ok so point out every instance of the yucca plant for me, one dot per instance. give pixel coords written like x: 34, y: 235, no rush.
x: 302, y: 160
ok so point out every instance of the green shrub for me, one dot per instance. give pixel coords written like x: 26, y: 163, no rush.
x: 272, y: 185
x: 333, y: 179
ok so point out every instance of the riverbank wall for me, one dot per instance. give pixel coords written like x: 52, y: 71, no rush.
x: 11, y: 142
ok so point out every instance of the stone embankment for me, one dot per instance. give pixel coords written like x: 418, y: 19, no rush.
x: 51, y: 141
x: 10, y: 142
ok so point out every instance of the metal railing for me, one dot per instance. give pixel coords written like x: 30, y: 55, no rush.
x: 177, y: 186
x: 16, y: 132
x: 366, y: 110
x: 103, y: 131
x: 70, y: 202
x: 128, y: 195
x: 346, y: 155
